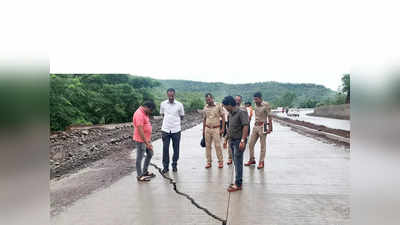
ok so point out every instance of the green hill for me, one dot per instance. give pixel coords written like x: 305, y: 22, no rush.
x: 112, y: 98
x: 271, y: 91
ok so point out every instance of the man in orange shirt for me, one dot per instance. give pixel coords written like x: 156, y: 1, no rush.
x: 142, y: 138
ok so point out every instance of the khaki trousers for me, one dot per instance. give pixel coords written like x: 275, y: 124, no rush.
x: 255, y: 134
x: 212, y: 135
x: 229, y: 150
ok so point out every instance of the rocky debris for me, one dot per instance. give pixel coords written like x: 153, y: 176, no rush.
x: 75, y: 148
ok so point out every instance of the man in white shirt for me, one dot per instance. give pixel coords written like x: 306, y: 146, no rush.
x: 172, y: 112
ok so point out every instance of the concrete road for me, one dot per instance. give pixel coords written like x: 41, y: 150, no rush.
x: 305, y: 181
x: 328, y: 122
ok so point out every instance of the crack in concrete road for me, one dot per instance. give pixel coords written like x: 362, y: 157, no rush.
x: 224, y: 222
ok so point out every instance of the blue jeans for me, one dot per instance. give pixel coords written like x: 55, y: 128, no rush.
x: 140, y: 150
x: 166, y: 138
x: 237, y: 156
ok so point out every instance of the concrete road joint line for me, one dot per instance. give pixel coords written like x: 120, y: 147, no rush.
x: 229, y: 196
x: 188, y: 196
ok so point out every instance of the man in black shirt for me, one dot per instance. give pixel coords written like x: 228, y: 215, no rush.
x: 237, y: 136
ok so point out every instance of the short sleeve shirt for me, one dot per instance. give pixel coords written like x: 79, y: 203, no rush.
x: 172, y: 116
x: 213, y: 114
x: 140, y: 118
x: 242, y: 107
x: 226, y: 113
x: 250, y: 112
x: 237, y: 119
x: 262, y: 112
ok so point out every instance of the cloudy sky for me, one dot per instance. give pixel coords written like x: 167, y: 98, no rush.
x: 228, y: 41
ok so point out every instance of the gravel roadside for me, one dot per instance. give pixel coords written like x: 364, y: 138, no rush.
x: 85, y: 159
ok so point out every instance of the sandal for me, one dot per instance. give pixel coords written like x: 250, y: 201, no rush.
x: 149, y: 174
x: 229, y: 162
x: 260, y: 165
x: 250, y: 162
x: 208, y: 165
x: 234, y: 187
x: 143, y: 179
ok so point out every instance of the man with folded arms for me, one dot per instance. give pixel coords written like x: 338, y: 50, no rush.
x: 237, y: 135
x: 262, y: 127
x: 142, y: 137
x: 212, y: 130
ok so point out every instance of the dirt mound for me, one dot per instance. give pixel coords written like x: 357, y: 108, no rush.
x: 75, y: 148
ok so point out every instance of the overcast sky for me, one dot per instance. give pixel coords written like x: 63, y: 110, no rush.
x: 215, y: 41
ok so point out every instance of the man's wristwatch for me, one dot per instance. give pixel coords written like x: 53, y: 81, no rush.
x: 242, y: 140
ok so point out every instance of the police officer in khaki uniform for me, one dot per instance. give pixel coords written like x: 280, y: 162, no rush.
x: 262, y: 127
x: 238, y: 100
x: 211, y: 129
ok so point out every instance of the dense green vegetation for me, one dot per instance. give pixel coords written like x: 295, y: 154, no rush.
x: 278, y: 94
x: 113, y: 98
x: 346, y: 86
x: 96, y: 99
x: 190, y: 100
x: 103, y: 99
x: 342, y: 96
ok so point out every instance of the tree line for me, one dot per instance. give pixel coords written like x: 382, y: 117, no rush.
x: 277, y: 94
x: 342, y: 96
x: 86, y: 99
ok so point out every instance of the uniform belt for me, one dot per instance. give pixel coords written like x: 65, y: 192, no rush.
x: 259, y: 123
x: 213, y: 127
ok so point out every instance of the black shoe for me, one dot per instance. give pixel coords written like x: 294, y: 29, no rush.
x: 143, y: 179
x: 165, y: 170
x: 175, y: 169
x: 149, y: 174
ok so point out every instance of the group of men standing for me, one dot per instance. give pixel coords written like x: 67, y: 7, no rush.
x: 237, y: 122
x: 229, y: 121
x: 172, y: 112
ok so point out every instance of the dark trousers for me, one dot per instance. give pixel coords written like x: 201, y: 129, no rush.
x: 166, y: 138
x: 237, y: 160
x: 140, y: 150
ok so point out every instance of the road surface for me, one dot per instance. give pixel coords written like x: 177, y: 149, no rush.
x: 305, y: 181
x: 328, y: 122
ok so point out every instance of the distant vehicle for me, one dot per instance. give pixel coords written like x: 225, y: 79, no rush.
x: 293, y: 112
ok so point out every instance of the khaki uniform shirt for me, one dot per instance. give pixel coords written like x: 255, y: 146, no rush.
x: 226, y: 113
x: 242, y: 107
x: 262, y: 112
x: 212, y: 114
